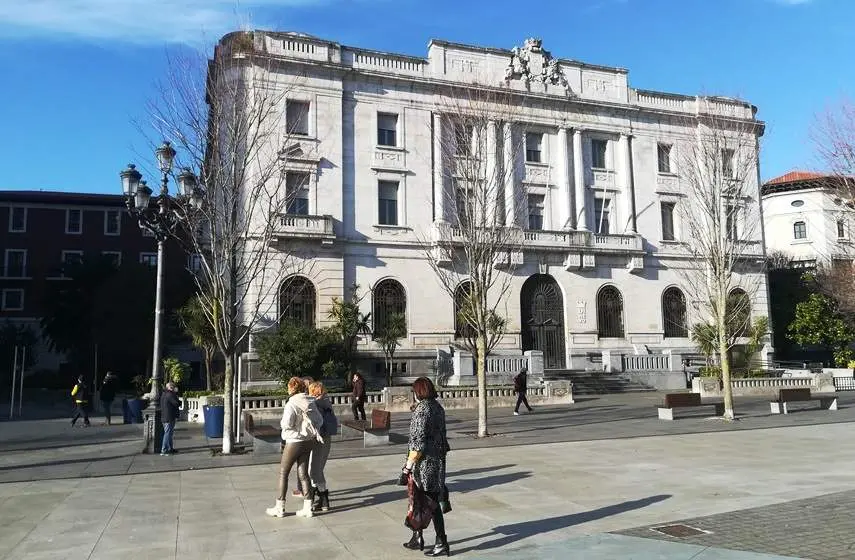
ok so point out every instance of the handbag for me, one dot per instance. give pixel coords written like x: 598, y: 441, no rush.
x: 420, y: 507
x: 311, y: 429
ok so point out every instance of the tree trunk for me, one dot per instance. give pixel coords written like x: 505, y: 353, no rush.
x: 228, y: 397
x: 725, y: 363
x: 208, y: 360
x: 480, y: 371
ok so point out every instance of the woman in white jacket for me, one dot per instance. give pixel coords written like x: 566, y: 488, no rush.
x: 301, y: 423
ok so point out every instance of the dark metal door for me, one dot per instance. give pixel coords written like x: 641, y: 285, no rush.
x: 543, y: 319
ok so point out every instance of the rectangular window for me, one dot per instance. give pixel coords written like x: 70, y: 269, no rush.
x: 297, y: 117
x: 387, y: 129
x: 463, y: 202
x: 841, y: 229
x: 297, y: 187
x: 17, y: 219
x: 533, y: 144
x: 387, y: 194
x: 194, y: 263
x: 149, y: 259
x: 731, y: 222
x: 727, y: 163
x: 535, y: 211
x: 73, y: 221
x: 462, y: 139
x: 663, y: 152
x: 799, y: 230
x: 602, y: 209
x: 13, y: 300
x: 16, y: 263
x: 71, y: 258
x: 115, y: 257
x: 598, y: 153
x: 667, y: 210
x: 112, y: 222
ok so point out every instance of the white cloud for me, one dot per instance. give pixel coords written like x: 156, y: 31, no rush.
x: 133, y: 21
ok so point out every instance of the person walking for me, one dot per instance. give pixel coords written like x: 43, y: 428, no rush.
x: 107, y: 394
x: 80, y: 395
x: 169, y: 407
x: 321, y: 452
x: 424, y: 469
x: 301, y: 424
x: 520, y: 388
x: 358, y: 394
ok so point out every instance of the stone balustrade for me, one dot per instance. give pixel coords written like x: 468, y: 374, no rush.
x: 763, y: 386
x: 298, y: 225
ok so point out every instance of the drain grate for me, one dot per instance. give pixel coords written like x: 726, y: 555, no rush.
x: 679, y: 531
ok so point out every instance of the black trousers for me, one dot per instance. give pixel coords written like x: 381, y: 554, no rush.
x: 438, y: 518
x: 521, y: 400
x: 358, y: 408
x: 107, y: 405
x: 80, y: 410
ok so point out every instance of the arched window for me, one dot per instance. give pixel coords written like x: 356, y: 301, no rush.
x: 297, y: 301
x: 388, y: 298
x: 462, y: 329
x: 799, y: 230
x: 610, y: 313
x: 738, y: 312
x: 674, y: 313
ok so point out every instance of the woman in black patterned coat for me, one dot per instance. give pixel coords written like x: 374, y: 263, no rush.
x: 426, y: 459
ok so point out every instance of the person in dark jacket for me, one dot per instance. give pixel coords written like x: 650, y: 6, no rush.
x: 358, y: 404
x: 169, y: 407
x: 520, y: 387
x: 80, y: 395
x: 108, y: 394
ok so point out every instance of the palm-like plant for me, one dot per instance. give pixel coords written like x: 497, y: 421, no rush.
x: 197, y: 325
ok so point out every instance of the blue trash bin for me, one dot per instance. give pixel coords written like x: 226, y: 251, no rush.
x: 135, y: 408
x: 214, y: 419
x: 126, y: 412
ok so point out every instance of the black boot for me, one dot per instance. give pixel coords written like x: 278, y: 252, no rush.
x: 317, y: 500
x: 441, y: 547
x: 417, y: 542
x: 325, y: 500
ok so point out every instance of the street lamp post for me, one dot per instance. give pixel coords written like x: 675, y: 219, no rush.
x: 160, y: 218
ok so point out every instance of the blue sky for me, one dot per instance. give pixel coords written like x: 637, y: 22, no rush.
x: 77, y: 73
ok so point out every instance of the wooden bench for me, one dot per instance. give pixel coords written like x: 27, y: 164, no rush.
x: 827, y: 401
x: 266, y: 439
x: 686, y: 400
x: 375, y: 435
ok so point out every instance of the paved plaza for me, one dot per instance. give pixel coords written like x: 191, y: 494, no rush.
x: 761, y: 492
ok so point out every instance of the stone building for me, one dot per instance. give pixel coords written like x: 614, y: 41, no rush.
x: 596, y: 182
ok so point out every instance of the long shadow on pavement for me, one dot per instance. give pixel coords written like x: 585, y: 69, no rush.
x: 519, y: 531
x: 463, y: 472
x: 97, y: 459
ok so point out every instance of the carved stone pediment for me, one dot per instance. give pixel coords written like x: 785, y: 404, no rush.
x: 531, y: 63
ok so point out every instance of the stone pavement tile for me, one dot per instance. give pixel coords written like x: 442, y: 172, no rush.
x: 221, y: 544
x: 116, y: 549
x: 12, y: 535
x: 327, y: 553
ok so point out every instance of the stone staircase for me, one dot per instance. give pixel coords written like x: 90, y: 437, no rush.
x: 596, y: 382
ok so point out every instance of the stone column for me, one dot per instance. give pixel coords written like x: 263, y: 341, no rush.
x: 626, y: 194
x: 494, y: 183
x: 438, y: 170
x: 579, y: 181
x: 509, y: 175
x: 564, y: 189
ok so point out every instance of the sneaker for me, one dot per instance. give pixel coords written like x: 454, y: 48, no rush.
x: 516, y: 413
x: 164, y: 454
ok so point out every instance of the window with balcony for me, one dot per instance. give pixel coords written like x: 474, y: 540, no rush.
x: 297, y: 187
x: 841, y: 229
x: 13, y: 300
x: 535, y: 211
x: 727, y: 163
x: 387, y: 199
x: 387, y: 129
x: 15, y: 265
x: 73, y: 221
x: 799, y: 230
x: 533, y: 147
x: 602, y: 215
x: 667, y: 211
x: 17, y: 219
x: 112, y: 222
x: 663, y: 152
x: 148, y: 259
x: 114, y: 257
x: 297, y: 117
x: 462, y: 139
x: 598, y: 153
x: 464, y: 203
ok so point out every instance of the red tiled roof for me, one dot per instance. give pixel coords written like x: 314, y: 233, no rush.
x: 794, y: 176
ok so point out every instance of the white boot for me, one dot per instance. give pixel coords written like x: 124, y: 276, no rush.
x: 307, y: 509
x: 278, y: 510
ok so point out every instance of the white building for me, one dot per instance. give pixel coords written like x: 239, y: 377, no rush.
x: 598, y: 269
x: 807, y: 219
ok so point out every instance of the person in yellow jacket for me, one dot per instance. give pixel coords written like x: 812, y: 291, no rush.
x: 80, y: 395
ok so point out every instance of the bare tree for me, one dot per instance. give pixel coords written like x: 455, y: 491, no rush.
x: 834, y: 137
x: 227, y: 118
x: 474, y: 245
x: 718, y: 167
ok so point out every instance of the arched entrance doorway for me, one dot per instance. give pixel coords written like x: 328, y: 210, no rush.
x: 542, y: 310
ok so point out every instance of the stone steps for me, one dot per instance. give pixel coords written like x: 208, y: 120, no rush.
x: 596, y: 383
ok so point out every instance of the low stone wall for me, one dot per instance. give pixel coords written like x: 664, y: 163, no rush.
x: 659, y: 380
x: 763, y: 386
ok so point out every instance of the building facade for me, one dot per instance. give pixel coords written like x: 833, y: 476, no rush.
x: 596, y: 188
x: 807, y: 219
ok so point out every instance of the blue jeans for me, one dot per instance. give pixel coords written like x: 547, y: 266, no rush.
x: 168, y: 430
